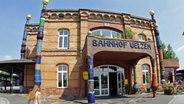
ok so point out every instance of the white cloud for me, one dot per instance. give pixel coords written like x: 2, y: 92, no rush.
x: 7, y: 57
x: 179, y: 52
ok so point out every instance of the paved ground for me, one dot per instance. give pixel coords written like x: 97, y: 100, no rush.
x: 178, y: 99
x: 145, y: 98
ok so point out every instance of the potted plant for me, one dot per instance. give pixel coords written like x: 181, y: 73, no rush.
x: 169, y: 88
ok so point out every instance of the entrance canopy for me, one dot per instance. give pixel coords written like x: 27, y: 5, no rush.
x: 8, y: 65
x: 118, y: 49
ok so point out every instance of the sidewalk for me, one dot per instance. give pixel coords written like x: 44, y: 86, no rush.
x: 128, y: 99
x: 144, y: 98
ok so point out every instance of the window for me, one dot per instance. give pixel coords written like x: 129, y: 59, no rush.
x: 62, y: 76
x: 145, y: 74
x: 106, y: 33
x: 141, y: 37
x: 63, y: 39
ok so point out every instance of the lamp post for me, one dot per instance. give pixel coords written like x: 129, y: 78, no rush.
x: 37, y: 74
x: 159, y: 47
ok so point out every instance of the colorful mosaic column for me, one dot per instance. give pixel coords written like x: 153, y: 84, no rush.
x: 135, y: 80
x: 91, y: 96
x: 154, y: 85
x: 23, y: 46
x: 159, y: 46
x: 37, y: 74
x: 22, y: 55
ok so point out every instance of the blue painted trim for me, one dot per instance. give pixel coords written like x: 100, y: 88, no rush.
x: 39, y: 47
x: 91, y: 98
x: 37, y: 77
x: 38, y: 60
x: 90, y: 68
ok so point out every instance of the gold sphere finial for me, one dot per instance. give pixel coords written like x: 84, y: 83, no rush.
x: 45, y: 2
x: 28, y: 17
x: 152, y: 12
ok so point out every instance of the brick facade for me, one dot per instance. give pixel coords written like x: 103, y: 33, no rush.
x: 78, y: 23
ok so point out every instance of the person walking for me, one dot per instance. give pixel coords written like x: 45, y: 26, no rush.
x: 35, y: 95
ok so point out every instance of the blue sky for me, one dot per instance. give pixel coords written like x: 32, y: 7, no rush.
x: 168, y: 13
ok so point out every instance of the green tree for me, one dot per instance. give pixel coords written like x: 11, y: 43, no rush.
x: 128, y: 33
x: 168, y: 52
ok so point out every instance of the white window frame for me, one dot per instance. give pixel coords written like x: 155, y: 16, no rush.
x: 62, y: 72
x: 145, y: 69
x: 64, y: 35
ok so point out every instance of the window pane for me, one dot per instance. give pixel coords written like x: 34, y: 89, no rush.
x: 116, y: 34
x: 97, y: 92
x: 147, y: 77
x: 65, y: 42
x: 63, y: 39
x: 59, y: 80
x: 64, y: 68
x: 145, y: 70
x: 65, y: 32
x: 96, y: 33
x: 143, y: 77
x: 96, y: 82
x: 62, y: 76
x: 60, y: 42
x: 145, y: 67
x: 60, y: 68
x: 61, y: 32
x: 141, y: 37
x: 106, y: 33
x: 104, y: 80
x: 65, y: 77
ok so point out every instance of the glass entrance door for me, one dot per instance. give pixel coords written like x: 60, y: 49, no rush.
x: 119, y: 83
x: 108, y: 80
x: 101, y: 84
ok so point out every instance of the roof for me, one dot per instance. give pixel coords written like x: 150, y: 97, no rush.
x: 16, y: 64
x: 17, y: 61
x: 169, y: 63
x: 92, y: 10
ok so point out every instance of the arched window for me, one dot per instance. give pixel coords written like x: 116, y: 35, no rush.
x: 145, y: 74
x: 62, y: 76
x: 106, y: 33
x: 142, y: 37
x: 63, y: 39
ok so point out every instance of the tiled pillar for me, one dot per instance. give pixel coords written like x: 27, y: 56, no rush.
x: 159, y: 47
x: 23, y: 46
x: 135, y: 80
x: 91, y: 96
x: 40, y: 35
x: 154, y: 85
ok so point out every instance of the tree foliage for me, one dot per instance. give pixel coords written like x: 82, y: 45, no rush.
x: 168, y: 52
x: 128, y: 33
